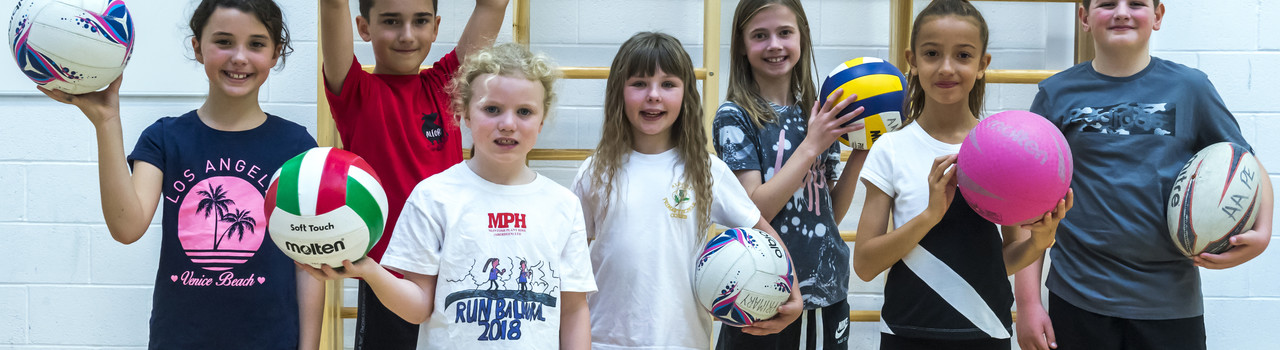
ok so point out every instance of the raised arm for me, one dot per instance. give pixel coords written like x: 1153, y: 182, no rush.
x: 482, y: 29
x: 842, y: 191
x: 875, y: 250
x: 128, y: 201
x: 824, y: 127
x: 337, y: 48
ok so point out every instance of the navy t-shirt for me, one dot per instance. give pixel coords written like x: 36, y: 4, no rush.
x: 1129, y: 137
x: 221, y: 282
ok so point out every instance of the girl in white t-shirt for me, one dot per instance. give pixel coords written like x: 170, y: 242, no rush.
x: 494, y: 255
x: 650, y: 192
x: 947, y: 285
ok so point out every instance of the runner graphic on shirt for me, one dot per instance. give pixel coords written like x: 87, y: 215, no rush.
x: 492, y: 266
x: 491, y: 302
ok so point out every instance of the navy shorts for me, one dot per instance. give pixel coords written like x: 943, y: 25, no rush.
x: 377, y: 328
x: 825, y: 328
x: 1077, y: 329
x: 893, y: 342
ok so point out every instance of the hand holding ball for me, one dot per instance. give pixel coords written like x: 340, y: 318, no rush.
x: 324, y: 206
x: 1014, y: 167
x: 742, y: 276
x: 76, y: 46
x: 879, y: 87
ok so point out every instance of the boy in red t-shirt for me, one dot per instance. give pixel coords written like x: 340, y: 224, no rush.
x: 397, y: 118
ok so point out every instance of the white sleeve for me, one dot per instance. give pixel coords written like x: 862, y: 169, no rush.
x: 578, y: 275
x: 416, y: 240
x: 590, y: 206
x: 878, y: 167
x: 731, y: 206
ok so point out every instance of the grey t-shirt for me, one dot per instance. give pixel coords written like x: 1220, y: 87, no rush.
x: 806, y: 223
x: 1129, y: 138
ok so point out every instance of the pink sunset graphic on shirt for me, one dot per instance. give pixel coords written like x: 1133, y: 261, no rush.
x: 220, y: 223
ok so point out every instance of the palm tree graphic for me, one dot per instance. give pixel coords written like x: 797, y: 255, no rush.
x: 215, y: 202
x: 240, y: 222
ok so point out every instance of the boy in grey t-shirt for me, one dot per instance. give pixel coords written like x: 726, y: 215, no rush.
x: 1132, y: 120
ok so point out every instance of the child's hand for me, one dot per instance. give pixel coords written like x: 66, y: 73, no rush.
x: 788, y: 312
x: 1244, y: 247
x: 1044, y: 230
x: 942, y: 186
x: 824, y: 123
x: 361, y: 268
x: 1035, y: 330
x: 99, y: 106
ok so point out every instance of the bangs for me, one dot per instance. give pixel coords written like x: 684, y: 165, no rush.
x: 651, y: 54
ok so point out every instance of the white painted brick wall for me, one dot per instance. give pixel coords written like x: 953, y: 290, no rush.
x: 71, y: 275
x: 73, y: 286
x: 13, y: 314
x: 88, y: 315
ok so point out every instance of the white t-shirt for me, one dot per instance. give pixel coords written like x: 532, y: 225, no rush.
x: 502, y: 255
x: 644, y: 251
x: 899, y: 165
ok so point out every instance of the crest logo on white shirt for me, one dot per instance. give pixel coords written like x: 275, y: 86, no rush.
x: 680, y: 202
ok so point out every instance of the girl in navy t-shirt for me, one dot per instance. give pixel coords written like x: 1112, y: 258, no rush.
x: 219, y: 283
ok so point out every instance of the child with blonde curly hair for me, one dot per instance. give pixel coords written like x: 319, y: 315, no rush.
x: 490, y: 213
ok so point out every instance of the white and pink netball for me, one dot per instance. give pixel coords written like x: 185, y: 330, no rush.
x: 324, y: 206
x: 1014, y: 167
x: 76, y: 46
x: 742, y: 276
x: 1214, y: 197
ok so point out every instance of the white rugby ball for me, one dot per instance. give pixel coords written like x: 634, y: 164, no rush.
x: 1214, y: 197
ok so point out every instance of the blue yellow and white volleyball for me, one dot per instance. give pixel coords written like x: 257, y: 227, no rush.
x: 324, y: 206
x: 880, y: 88
x: 76, y: 46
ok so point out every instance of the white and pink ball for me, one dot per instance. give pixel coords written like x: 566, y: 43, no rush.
x: 1013, y: 167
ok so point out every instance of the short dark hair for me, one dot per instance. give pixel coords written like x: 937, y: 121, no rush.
x: 266, y: 11
x: 365, y: 5
x: 1087, y: 2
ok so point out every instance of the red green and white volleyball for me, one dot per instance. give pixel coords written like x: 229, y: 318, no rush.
x: 1014, y: 167
x: 324, y: 206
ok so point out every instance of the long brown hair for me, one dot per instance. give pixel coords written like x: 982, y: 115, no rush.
x: 641, y: 56
x: 937, y: 9
x: 742, y: 83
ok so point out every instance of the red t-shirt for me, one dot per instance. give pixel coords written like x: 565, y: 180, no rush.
x: 401, y: 125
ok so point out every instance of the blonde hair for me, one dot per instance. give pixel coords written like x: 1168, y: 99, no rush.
x: 742, y: 84
x: 642, y: 55
x: 511, y: 60
x: 937, y: 9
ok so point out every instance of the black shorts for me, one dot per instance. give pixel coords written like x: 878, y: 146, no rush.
x: 826, y: 328
x: 893, y: 342
x: 1076, y: 328
x: 377, y: 328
